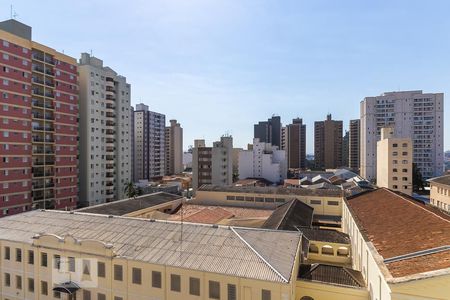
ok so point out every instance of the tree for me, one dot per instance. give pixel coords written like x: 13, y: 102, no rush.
x: 130, y: 190
x: 417, y: 179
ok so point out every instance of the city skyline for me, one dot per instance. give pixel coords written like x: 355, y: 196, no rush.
x: 188, y: 55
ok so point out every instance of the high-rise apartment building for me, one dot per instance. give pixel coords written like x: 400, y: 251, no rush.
x: 174, y: 148
x: 345, y: 149
x: 149, y: 143
x: 411, y: 114
x: 296, y: 144
x: 354, y: 144
x: 284, y: 138
x: 105, y: 129
x: 39, y: 124
x: 269, y: 131
x: 394, y: 162
x: 328, y: 143
x: 212, y: 165
x: 263, y: 160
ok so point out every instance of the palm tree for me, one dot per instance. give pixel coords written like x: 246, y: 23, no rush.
x: 130, y: 190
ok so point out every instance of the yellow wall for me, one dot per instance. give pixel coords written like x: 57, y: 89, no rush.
x: 437, y: 287
x: 322, y: 209
x: 332, y: 259
x: 440, y: 196
x: 321, y: 291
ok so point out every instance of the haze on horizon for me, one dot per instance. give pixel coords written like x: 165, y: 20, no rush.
x: 220, y: 66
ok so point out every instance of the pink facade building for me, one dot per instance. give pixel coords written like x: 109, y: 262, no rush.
x: 38, y: 124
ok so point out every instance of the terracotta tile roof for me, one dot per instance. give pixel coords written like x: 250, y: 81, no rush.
x: 396, y: 224
x: 209, y: 216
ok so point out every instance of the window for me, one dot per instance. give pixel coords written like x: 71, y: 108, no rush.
x: 7, y: 279
x: 404, y: 153
x: 315, y: 202
x: 86, y: 295
x: 118, y: 298
x: 136, y: 276
x: 31, y: 257
x: 118, y: 272
x: 18, y: 255
x: 7, y: 253
x: 101, y: 269
x: 156, y: 279
x: 394, y: 178
x: 214, y: 289
x: 56, y: 262
x: 334, y: 203
x: 31, y: 285
x: 405, y: 178
x: 395, y: 153
x: 86, y: 267
x: 175, y: 283
x: 266, y: 295
x: 71, y: 264
x: 101, y: 296
x: 18, y: 282
x: 394, y: 170
x: 43, y: 259
x: 56, y: 294
x: 5, y: 43
x: 404, y: 170
x: 405, y: 145
x: 230, y: 197
x: 44, y: 288
x: 194, y: 286
x: 231, y: 289
x: 395, y: 145
x: 404, y: 162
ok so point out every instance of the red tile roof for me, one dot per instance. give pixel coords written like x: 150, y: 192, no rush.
x: 397, y: 225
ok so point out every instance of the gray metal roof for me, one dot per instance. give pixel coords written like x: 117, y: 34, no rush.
x: 278, y: 190
x: 243, y: 252
x: 129, y: 205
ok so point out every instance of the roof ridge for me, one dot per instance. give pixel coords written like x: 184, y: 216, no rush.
x: 259, y: 255
x: 412, y: 203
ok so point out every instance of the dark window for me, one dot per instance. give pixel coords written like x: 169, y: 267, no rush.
x: 44, y: 262
x: 266, y: 295
x: 194, y: 286
x: 101, y: 296
x: 86, y: 295
x: 156, y: 279
x: 31, y: 285
x: 18, y: 255
x: 231, y: 291
x: 18, y: 282
x: 118, y: 272
x: 7, y: 253
x: 86, y: 267
x: 71, y: 264
x: 334, y: 203
x: 175, y: 283
x: 44, y: 288
x: 7, y: 279
x: 101, y: 269
x: 56, y: 261
x: 31, y: 257
x: 136, y: 276
x: 214, y: 289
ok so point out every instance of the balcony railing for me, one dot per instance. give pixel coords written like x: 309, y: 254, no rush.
x: 41, y: 186
x: 42, y: 174
x: 43, y: 128
x: 41, y: 163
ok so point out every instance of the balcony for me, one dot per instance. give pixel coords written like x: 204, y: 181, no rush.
x: 37, y: 68
x: 109, y: 140
x: 41, y: 196
x: 43, y: 151
x: 39, y: 174
x: 38, y: 92
x: 37, y: 80
x: 37, y: 115
x: 38, y: 186
x: 38, y: 139
x: 110, y: 106
x: 43, y: 162
x: 49, y: 72
x: 43, y: 128
x: 49, y: 60
x: 41, y: 104
x: 108, y: 166
x: 39, y: 57
x: 110, y: 123
x: 109, y: 175
x: 110, y: 115
x: 109, y: 157
x: 110, y: 97
x: 110, y: 131
x: 109, y: 149
x: 110, y: 192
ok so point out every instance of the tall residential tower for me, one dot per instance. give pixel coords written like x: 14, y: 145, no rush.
x: 296, y: 144
x: 269, y: 131
x: 328, y: 143
x: 39, y: 124
x: 354, y: 145
x: 174, y: 148
x: 105, y: 142
x: 411, y: 114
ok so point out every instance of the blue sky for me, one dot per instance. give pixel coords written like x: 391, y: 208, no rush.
x: 219, y: 66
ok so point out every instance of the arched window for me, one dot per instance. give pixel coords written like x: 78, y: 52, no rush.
x: 306, y: 298
x: 313, y: 248
x: 327, y: 250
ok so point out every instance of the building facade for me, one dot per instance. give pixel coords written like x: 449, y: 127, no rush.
x: 284, y: 138
x: 345, y: 149
x: 269, y: 131
x: 354, y: 145
x: 105, y: 130
x: 174, y: 148
x: 149, y: 143
x: 212, y: 165
x: 394, y: 162
x: 263, y: 161
x: 440, y: 192
x: 39, y: 124
x: 412, y: 114
x: 296, y: 144
x: 328, y: 143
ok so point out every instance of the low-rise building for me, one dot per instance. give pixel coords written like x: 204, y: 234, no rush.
x: 263, y: 160
x: 440, y: 192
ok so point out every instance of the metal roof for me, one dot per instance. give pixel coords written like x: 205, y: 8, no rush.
x: 331, y: 274
x: 278, y: 190
x: 243, y: 252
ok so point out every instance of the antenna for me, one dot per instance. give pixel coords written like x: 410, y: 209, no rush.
x: 91, y: 52
x: 13, y: 14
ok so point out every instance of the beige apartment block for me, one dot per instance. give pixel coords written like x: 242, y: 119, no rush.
x: 174, y: 148
x: 394, y: 162
x: 76, y: 255
x: 440, y: 192
x: 105, y: 132
x: 212, y: 165
x: 328, y: 143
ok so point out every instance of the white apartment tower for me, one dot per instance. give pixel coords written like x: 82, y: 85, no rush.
x: 149, y: 143
x: 263, y: 161
x: 212, y: 165
x: 105, y: 142
x: 411, y: 114
x: 174, y: 148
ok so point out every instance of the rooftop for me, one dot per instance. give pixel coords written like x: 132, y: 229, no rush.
x: 445, y: 180
x: 324, y: 235
x: 331, y: 274
x: 278, y: 190
x: 249, y: 253
x: 289, y: 215
x: 126, y: 206
x: 397, y: 225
